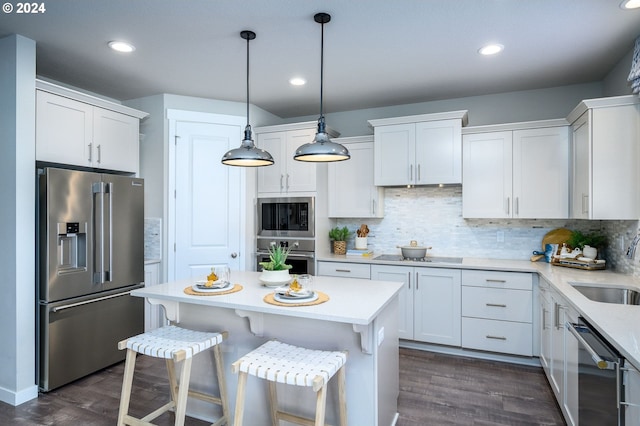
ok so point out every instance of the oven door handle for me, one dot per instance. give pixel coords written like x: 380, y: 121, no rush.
x: 292, y: 255
x: 601, y: 363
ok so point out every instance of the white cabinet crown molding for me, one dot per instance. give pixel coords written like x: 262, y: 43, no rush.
x: 612, y: 101
x: 89, y: 99
x: 522, y: 125
x: 450, y: 115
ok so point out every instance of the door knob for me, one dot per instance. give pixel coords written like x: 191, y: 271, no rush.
x: 234, y: 255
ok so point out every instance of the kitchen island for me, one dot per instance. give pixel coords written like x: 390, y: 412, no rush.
x: 359, y: 317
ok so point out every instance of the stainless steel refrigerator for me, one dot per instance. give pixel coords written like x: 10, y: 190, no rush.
x: 90, y: 257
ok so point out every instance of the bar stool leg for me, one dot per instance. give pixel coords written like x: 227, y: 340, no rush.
x: 173, y: 382
x: 321, y: 401
x: 342, y: 396
x: 273, y: 403
x: 222, y: 381
x: 183, y: 391
x: 127, y: 381
x: 242, y: 382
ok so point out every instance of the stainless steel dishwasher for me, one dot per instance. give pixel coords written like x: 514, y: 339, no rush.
x: 600, y: 384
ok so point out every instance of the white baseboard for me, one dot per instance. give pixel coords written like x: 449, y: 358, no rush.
x: 16, y: 398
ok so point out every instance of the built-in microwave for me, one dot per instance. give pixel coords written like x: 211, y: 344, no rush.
x: 286, y: 217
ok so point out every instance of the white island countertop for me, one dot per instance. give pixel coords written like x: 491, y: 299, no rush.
x: 350, y: 301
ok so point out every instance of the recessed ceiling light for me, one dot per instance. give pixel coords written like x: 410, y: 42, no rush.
x: 630, y: 4
x: 297, y: 81
x: 491, y: 49
x: 122, y: 46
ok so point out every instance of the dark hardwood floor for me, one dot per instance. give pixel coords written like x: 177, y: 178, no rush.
x: 434, y: 390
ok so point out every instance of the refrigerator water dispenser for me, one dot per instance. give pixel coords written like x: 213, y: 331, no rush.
x: 72, y: 247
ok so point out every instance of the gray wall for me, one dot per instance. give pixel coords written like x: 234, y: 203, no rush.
x: 17, y: 214
x: 615, y: 83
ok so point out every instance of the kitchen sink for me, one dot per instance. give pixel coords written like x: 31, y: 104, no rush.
x: 609, y: 293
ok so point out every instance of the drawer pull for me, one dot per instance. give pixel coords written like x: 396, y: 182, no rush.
x: 489, y: 280
x: 496, y: 305
x: 496, y: 337
x: 343, y: 270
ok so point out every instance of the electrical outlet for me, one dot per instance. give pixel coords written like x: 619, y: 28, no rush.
x: 500, y: 236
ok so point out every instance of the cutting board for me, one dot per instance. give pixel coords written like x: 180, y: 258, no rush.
x: 555, y: 236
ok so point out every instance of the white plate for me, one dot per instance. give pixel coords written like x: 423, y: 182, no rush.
x: 197, y: 288
x: 285, y: 299
x: 286, y: 293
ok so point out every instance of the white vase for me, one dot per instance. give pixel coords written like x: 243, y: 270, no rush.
x: 275, y: 277
x: 361, y: 243
x: 590, y: 252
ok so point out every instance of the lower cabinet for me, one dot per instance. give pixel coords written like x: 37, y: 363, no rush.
x: 429, y: 302
x: 344, y: 269
x: 559, y: 350
x: 497, y: 311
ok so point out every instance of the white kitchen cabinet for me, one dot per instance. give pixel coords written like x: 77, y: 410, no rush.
x: 545, y: 327
x: 497, y: 311
x: 605, y: 159
x: 344, y: 269
x: 153, y: 314
x: 429, y: 302
x: 418, y: 150
x: 631, y: 379
x: 352, y: 192
x: 286, y: 175
x: 570, y: 361
x: 76, y: 132
x: 518, y: 170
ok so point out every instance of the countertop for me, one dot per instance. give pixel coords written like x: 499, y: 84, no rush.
x: 351, y: 300
x: 619, y: 324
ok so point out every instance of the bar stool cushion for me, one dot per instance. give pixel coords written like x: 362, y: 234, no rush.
x: 283, y: 363
x: 166, y: 342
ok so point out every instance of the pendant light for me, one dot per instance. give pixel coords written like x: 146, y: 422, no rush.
x: 248, y: 155
x: 321, y: 149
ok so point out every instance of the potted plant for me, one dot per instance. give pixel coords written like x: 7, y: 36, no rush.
x: 589, y: 243
x: 339, y: 237
x: 276, y: 270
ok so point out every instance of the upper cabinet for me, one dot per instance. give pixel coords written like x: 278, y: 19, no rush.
x: 605, y: 155
x: 352, y: 192
x: 518, y: 170
x: 419, y: 149
x: 81, y: 130
x: 286, y: 175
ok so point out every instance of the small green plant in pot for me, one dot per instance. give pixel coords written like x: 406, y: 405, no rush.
x: 339, y: 237
x: 589, y: 243
x: 277, y: 258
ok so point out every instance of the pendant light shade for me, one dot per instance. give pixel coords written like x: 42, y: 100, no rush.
x: 248, y: 155
x: 321, y: 149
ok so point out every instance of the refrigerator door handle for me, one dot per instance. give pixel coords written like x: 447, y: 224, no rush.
x: 98, y: 243
x: 86, y: 302
x: 108, y: 272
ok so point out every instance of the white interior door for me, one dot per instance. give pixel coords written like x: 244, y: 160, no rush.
x: 207, y: 199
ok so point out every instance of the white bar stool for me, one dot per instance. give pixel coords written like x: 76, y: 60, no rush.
x: 174, y: 344
x: 279, y: 362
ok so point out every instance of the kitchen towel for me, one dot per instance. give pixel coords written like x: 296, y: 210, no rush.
x: 634, y: 74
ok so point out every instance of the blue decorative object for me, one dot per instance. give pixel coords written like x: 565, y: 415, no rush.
x: 634, y: 74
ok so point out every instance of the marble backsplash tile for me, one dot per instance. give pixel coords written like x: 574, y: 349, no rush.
x: 433, y: 217
x: 152, y: 238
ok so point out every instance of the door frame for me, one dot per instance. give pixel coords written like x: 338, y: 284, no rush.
x: 174, y: 116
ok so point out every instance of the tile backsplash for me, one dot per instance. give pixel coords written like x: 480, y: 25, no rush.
x: 433, y: 217
x: 152, y: 238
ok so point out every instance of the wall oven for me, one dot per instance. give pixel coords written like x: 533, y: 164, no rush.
x: 292, y: 217
x: 301, y: 257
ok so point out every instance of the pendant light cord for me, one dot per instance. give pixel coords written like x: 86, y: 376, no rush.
x: 248, y: 81
x: 321, y: 68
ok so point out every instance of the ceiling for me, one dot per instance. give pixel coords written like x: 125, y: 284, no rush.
x: 377, y: 52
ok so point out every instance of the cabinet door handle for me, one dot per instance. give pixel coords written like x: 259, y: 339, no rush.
x: 490, y: 280
x: 99, y: 154
x: 281, y: 178
x: 585, y: 203
x: 418, y: 172
x: 409, y: 275
x: 507, y: 206
x: 411, y: 173
x: 417, y: 282
x: 373, y: 206
x: 287, y: 182
x: 343, y: 270
x: 90, y: 146
x: 516, y: 209
x: 544, y: 319
x: 496, y: 305
x: 496, y: 337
